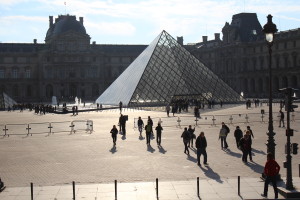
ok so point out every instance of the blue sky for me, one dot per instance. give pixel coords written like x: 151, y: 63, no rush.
x: 139, y: 21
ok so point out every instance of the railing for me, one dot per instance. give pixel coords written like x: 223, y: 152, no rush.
x: 213, y: 120
x: 46, y: 128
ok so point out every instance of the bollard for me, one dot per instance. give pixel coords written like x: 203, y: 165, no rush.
x: 73, y: 183
x: 157, y: 188
x: 116, y: 190
x: 50, y: 127
x: 213, y: 119
x: 28, y: 129
x: 5, y: 129
x: 198, y: 193
x: 239, y: 185
x: 31, y: 188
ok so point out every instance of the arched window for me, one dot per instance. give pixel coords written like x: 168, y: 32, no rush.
x: 284, y: 82
x: 294, y: 82
x: 260, y: 85
x: 275, y: 84
x: 29, y: 91
x: 95, y: 90
x: 73, y: 90
x: 49, y: 91
x: 15, y: 91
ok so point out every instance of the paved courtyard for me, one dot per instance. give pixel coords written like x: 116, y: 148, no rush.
x: 61, y: 157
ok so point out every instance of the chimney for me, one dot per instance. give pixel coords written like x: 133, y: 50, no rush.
x: 81, y: 20
x: 180, y: 40
x: 204, y: 38
x: 217, y: 36
x: 34, y: 41
x: 50, y: 21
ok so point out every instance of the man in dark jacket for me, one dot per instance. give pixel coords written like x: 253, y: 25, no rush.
x: 201, y: 145
x: 114, y: 132
x: 238, y: 134
x: 122, y: 123
x: 186, y: 138
x: 148, y: 129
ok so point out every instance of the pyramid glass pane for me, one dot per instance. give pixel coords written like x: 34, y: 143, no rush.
x: 166, y: 70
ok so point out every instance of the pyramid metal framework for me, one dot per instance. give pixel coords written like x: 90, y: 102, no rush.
x: 5, y: 101
x: 163, y: 71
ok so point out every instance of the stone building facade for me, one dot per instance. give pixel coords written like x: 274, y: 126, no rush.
x: 241, y: 59
x: 68, y: 64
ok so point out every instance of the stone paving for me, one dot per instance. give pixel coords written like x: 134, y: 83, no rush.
x: 52, y: 162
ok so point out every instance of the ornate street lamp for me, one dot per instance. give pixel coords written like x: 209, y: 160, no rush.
x: 269, y: 30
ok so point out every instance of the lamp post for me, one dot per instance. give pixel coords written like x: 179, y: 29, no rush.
x: 269, y: 30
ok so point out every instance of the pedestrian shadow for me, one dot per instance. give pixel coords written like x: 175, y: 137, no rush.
x: 161, y: 149
x: 193, y: 149
x: 210, y: 173
x: 141, y: 137
x: 113, y: 149
x: 150, y: 149
x: 255, y: 167
x: 258, y: 151
x: 228, y: 151
x: 192, y: 159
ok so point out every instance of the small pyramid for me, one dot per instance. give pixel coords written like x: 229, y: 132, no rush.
x: 163, y: 71
x: 5, y: 101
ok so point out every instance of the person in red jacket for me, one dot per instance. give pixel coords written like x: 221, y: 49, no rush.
x: 271, y: 170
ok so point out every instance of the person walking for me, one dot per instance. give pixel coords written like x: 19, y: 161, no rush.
x: 281, y: 118
x: 114, y: 132
x: 238, y: 134
x: 245, y: 147
x: 158, y: 133
x: 271, y: 170
x: 120, y: 106
x: 148, y: 129
x: 227, y: 130
x: 122, y: 123
x: 168, y: 110
x: 192, y: 135
x: 201, y: 145
x: 140, y: 125
x: 250, y: 133
x: 222, y: 136
x: 186, y: 138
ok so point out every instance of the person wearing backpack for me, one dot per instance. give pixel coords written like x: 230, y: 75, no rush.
x: 186, y: 138
x: 148, y: 129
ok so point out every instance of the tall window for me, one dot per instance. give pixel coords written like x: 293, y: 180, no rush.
x: 2, y: 73
x: 27, y: 73
x: 15, y: 73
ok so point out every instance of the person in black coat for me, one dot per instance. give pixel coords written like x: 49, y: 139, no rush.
x: 158, y: 133
x: 114, y: 132
x: 122, y: 123
x: 238, y: 134
x: 201, y: 145
x: 148, y: 129
x: 186, y: 139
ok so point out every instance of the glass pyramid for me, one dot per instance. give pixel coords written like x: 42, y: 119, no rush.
x: 6, y: 101
x: 164, y: 71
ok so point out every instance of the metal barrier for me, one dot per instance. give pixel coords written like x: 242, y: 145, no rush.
x: 182, y: 120
x: 47, y: 128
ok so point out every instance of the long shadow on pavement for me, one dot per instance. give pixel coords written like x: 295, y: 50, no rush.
x: 258, y: 151
x: 211, y: 174
x: 150, y: 149
x: 161, y: 150
x: 255, y: 167
x: 238, y: 155
x: 191, y: 158
x: 113, y: 149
